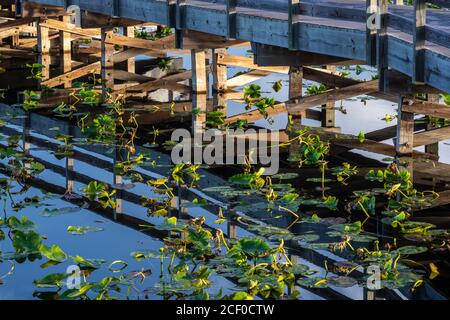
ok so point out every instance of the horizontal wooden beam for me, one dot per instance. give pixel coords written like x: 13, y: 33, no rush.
x: 200, y: 40
x: 332, y: 95
x: 428, y: 109
x: 244, y: 62
x: 431, y: 136
x: 169, y: 80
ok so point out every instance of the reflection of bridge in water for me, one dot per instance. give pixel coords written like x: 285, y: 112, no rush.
x: 76, y: 171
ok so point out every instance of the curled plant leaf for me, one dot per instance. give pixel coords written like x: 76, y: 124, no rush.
x: 54, y: 253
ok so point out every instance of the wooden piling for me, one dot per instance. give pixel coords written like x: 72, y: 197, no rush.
x: 43, y: 45
x: 66, y: 52
x: 405, y: 129
x: 328, y: 109
x: 107, y: 61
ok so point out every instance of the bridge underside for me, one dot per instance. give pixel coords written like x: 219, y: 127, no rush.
x: 318, y: 39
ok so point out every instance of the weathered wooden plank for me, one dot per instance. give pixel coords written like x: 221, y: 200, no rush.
x: 160, y: 83
x: 431, y: 136
x: 389, y: 132
x: 246, y: 78
x: 244, y: 62
x: 428, y: 108
x: 332, y: 95
x: 200, y: 40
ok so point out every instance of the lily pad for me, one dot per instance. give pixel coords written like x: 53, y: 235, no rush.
x: 52, y: 280
x: 411, y: 250
x: 342, y: 281
x: 55, y: 253
x: 59, y: 211
x: 80, y: 230
x: 88, y: 263
x: 314, y: 282
x: 123, y: 186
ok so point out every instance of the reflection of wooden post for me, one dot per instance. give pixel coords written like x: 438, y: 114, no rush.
x: 199, y: 88
x: 118, y: 179
x: 405, y: 137
x: 434, y: 147
x: 175, y: 202
x: 405, y: 130
x: 69, y: 168
x: 15, y: 40
x: 107, y: 62
x: 66, y: 51
x: 295, y: 83
x: 43, y: 44
x: 295, y: 92
x: 232, y: 230
x: 131, y: 64
x: 219, y: 79
x: 369, y: 294
x: 26, y: 137
x: 328, y: 112
x: 294, y: 260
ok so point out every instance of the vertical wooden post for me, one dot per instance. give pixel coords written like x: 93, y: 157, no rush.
x: 15, y: 40
x: 107, y: 61
x: 328, y: 112
x: 382, y: 43
x: 405, y: 130
x: 231, y: 19
x: 219, y: 71
x: 198, y: 60
x: 131, y: 64
x: 43, y: 45
x: 66, y: 52
x: 180, y: 22
x: 432, y: 148
x: 199, y: 88
x: 295, y: 83
x: 293, y: 24
x: 219, y: 79
x: 371, y: 29
x: 420, y: 18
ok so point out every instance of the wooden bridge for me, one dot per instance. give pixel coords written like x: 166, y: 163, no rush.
x: 404, y: 38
